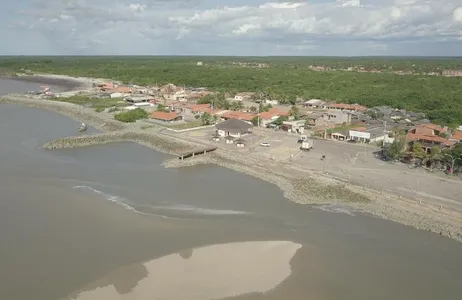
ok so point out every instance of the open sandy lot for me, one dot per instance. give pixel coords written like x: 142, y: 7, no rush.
x: 355, y: 163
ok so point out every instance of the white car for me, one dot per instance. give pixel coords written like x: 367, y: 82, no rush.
x: 265, y: 144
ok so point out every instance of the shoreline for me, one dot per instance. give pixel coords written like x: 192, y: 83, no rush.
x: 300, y: 186
x: 68, y: 83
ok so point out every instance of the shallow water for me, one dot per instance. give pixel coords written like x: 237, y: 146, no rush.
x: 70, y: 220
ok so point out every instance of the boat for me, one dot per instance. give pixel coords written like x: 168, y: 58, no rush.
x: 82, y: 127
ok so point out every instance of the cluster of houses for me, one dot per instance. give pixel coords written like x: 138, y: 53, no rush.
x: 338, y: 121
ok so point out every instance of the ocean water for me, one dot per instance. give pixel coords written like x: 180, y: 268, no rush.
x: 106, y: 221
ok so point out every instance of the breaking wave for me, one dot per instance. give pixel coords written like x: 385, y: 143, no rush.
x: 336, y: 208
x: 144, y: 208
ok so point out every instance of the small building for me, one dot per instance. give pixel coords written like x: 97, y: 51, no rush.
x: 346, y: 107
x: 240, y: 143
x: 371, y: 135
x: 237, y: 115
x: 244, y: 96
x: 271, y: 102
x: 234, y: 128
x: 200, y: 63
x: 132, y: 99
x: 315, y: 104
x: 339, y: 135
x: 117, y: 95
x: 338, y: 117
x: 296, y: 126
x: 229, y: 139
x: 167, y: 117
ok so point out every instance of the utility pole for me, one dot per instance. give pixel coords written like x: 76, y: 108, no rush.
x: 453, y: 160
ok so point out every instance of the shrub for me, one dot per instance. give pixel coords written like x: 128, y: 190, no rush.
x: 132, y: 115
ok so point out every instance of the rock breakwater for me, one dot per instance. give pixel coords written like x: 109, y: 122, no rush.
x: 154, y: 141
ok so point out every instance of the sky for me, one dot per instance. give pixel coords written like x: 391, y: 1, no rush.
x: 232, y: 27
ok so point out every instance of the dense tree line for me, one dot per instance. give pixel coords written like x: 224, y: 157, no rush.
x: 286, y: 78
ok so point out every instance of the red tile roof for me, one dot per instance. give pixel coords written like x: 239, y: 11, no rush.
x: 164, y: 116
x: 457, y: 135
x: 238, y: 115
x: 428, y: 138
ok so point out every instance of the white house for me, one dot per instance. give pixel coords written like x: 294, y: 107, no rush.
x: 272, y: 102
x: 372, y: 135
x: 200, y: 63
x: 117, y: 95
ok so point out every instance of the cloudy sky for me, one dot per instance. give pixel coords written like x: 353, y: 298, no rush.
x: 231, y: 27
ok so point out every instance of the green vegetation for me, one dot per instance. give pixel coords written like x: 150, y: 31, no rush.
x: 396, y: 149
x: 132, y: 115
x: 285, y: 78
x: 99, y: 104
x: 184, y: 125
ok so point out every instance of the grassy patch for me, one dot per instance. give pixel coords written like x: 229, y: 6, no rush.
x: 185, y: 125
x: 342, y: 128
x: 99, y: 104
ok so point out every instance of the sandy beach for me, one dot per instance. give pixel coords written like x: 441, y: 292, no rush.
x: 299, y: 185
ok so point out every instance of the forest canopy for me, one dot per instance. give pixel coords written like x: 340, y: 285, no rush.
x: 282, y: 77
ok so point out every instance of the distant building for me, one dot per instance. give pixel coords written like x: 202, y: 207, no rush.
x: 315, y: 103
x: 243, y: 96
x: 200, y: 63
x: 451, y: 73
x: 338, y: 117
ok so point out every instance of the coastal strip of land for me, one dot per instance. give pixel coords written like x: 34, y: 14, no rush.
x: 301, y: 186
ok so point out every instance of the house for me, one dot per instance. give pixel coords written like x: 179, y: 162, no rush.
x: 116, y: 95
x: 429, y: 135
x: 238, y: 115
x: 456, y: 136
x: 315, y: 103
x: 338, y: 117
x: 234, y: 128
x: 271, y: 102
x: 296, y: 126
x: 346, y: 107
x: 317, y: 121
x: 398, y: 114
x: 340, y: 135
x: 167, y: 117
x: 243, y: 96
x: 371, y: 135
x: 271, y: 115
x: 200, y: 63
x: 199, y: 109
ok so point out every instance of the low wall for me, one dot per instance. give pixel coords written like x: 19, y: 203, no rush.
x: 154, y: 141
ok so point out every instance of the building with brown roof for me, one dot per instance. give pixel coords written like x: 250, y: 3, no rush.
x: 238, y: 115
x: 166, y: 116
x: 429, y: 135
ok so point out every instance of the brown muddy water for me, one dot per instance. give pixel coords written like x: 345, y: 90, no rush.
x: 109, y: 222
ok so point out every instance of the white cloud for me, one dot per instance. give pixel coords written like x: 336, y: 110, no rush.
x: 253, y: 27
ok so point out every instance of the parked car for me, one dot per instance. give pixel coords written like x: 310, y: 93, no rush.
x: 265, y: 144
